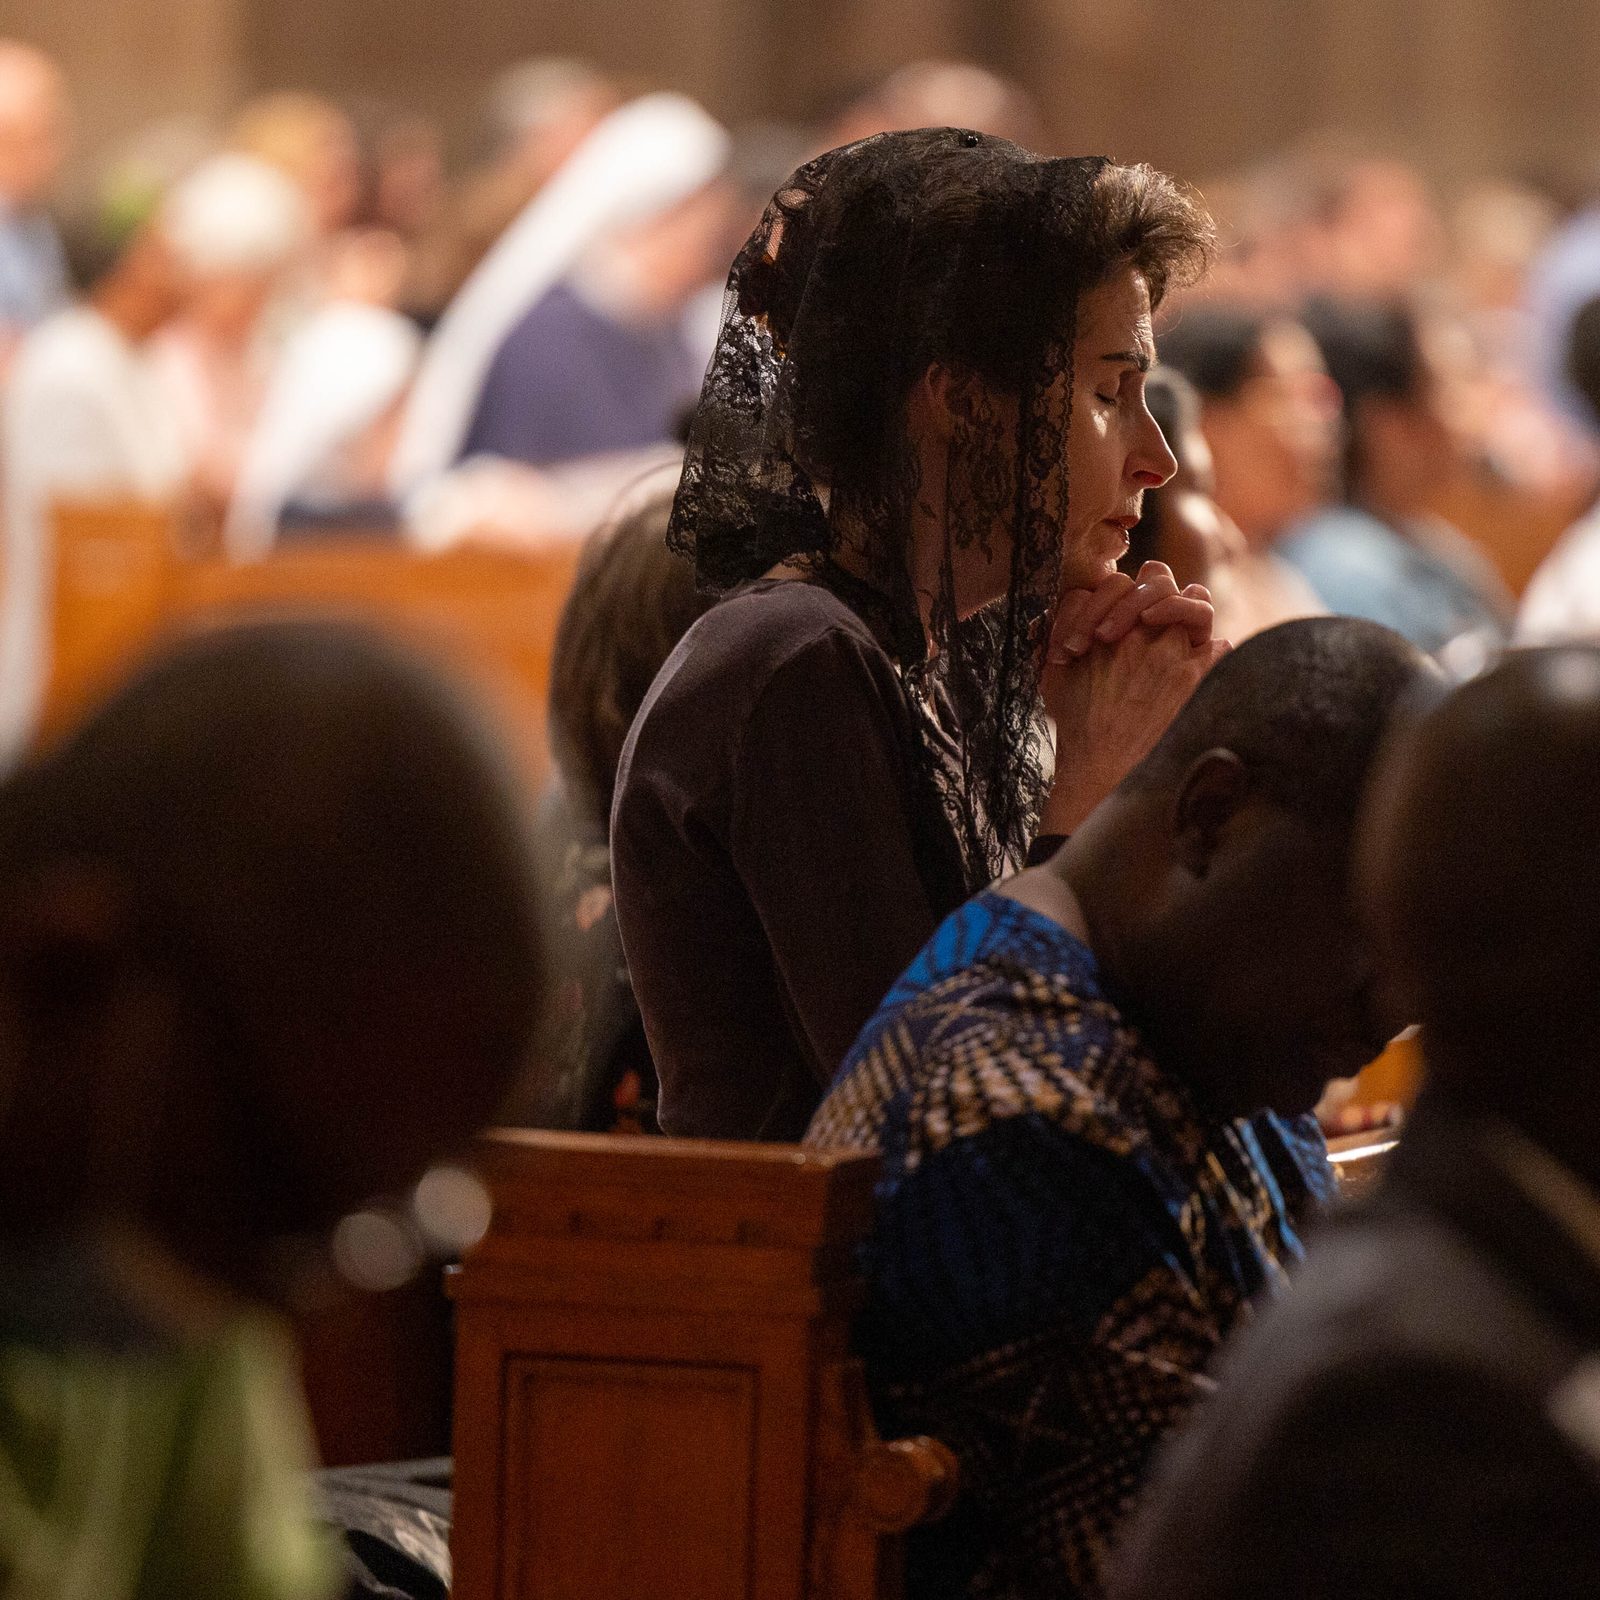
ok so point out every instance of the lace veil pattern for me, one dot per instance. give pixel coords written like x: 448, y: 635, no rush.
x: 872, y: 263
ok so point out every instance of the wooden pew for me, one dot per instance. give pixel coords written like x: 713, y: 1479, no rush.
x: 122, y: 580
x: 115, y: 579
x: 654, y: 1391
x: 1359, y: 1160
x: 489, y: 615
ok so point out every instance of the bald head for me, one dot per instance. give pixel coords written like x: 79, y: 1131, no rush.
x: 293, y: 838
x: 33, y: 124
x: 1483, y: 865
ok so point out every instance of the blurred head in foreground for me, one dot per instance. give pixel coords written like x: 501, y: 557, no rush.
x: 1482, y: 859
x: 269, y: 945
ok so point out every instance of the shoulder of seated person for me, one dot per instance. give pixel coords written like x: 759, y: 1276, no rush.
x: 1337, y: 527
x: 1371, y: 1294
x: 730, y: 660
x: 752, y: 634
x: 67, y: 346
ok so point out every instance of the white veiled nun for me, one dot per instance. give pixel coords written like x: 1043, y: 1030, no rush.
x: 644, y: 158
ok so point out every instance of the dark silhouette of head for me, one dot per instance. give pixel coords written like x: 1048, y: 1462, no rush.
x: 1481, y: 862
x: 269, y: 943
x: 1583, y: 354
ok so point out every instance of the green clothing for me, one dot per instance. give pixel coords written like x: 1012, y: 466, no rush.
x: 159, y: 1473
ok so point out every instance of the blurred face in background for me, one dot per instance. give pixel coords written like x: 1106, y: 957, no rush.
x: 1387, y: 235
x: 34, y: 126
x: 409, y: 180
x: 659, y: 265
x: 1198, y: 538
x: 1413, y: 445
x: 229, y: 305
x: 1274, y: 443
x: 311, y: 142
x: 541, y: 146
x: 150, y: 282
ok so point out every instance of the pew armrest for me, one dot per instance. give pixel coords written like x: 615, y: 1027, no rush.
x: 868, y: 1490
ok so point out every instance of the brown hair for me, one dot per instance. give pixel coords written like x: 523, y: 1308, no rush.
x: 631, y: 602
x: 989, y: 248
x: 1148, y: 220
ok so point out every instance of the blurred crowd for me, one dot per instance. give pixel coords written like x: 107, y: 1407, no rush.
x: 305, y: 319
x: 1382, y: 403
x: 306, y: 322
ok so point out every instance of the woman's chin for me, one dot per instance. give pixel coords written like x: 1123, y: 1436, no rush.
x: 1087, y: 568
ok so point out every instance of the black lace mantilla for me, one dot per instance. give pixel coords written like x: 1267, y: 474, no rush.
x: 873, y: 263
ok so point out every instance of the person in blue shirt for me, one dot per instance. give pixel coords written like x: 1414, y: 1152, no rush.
x: 1090, y: 1093
x: 1383, y: 553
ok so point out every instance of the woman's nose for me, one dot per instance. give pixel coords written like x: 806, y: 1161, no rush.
x: 1152, y: 462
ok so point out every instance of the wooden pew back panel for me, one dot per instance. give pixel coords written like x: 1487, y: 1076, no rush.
x: 488, y: 615
x: 121, y: 582
x: 115, y: 573
x: 654, y: 1394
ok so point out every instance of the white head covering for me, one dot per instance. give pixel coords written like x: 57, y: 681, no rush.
x: 337, y: 377
x: 234, y: 213
x: 642, y: 159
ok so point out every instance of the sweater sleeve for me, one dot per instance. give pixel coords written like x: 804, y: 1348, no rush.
x: 822, y: 838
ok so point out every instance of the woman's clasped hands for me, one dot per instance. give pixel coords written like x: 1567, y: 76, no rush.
x: 1123, y: 658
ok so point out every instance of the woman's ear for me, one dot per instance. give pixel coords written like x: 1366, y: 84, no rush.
x: 928, y: 404
x: 1210, y: 795
x: 944, y: 398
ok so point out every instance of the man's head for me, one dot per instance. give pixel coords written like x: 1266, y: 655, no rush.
x: 33, y: 124
x: 1481, y: 860
x: 1217, y: 884
x: 268, y: 943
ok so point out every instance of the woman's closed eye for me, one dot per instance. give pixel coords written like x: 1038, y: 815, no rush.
x: 1129, y: 385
